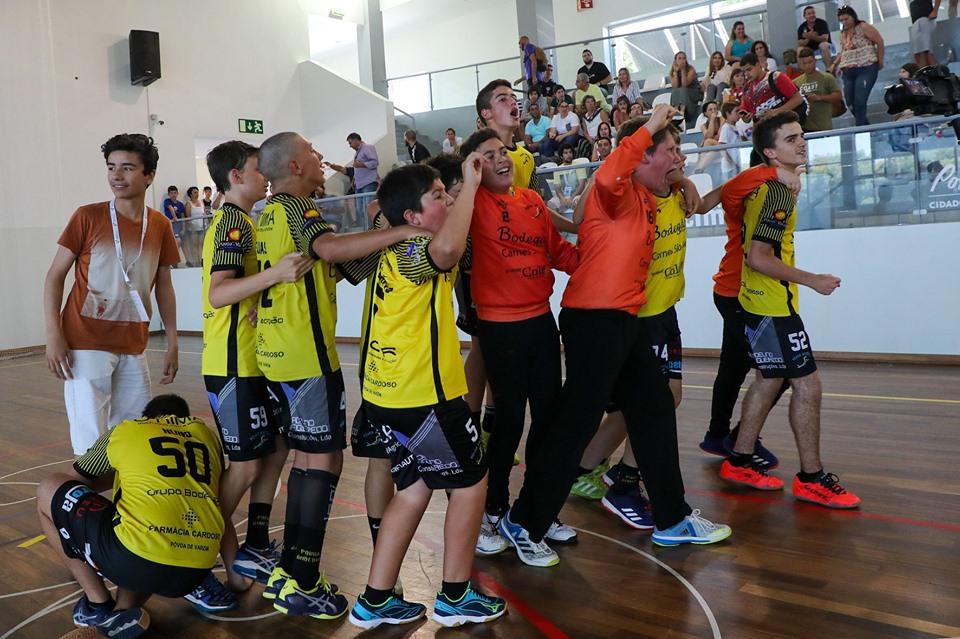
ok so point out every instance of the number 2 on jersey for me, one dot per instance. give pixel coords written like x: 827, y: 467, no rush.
x: 265, y: 300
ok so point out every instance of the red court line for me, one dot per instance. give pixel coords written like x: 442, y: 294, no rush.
x: 850, y: 513
x: 24, y: 451
x: 517, y: 603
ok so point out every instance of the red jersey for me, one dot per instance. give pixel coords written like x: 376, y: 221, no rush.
x: 515, y: 245
x: 758, y: 97
x: 732, y: 196
x: 616, y: 236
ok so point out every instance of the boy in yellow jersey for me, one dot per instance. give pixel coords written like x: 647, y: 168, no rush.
x: 413, y: 383
x: 235, y: 386
x: 161, y: 538
x: 296, y: 351
x: 779, y: 344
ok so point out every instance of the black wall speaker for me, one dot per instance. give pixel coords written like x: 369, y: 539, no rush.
x: 144, y: 57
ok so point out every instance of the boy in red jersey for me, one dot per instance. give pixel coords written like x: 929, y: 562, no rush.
x: 515, y: 246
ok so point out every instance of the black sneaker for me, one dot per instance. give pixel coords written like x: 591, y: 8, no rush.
x: 125, y: 624
x: 87, y: 614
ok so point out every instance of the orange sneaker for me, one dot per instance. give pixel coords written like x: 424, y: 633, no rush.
x: 753, y: 475
x: 825, y: 491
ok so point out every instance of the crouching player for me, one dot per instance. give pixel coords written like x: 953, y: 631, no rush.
x: 413, y: 387
x: 162, y: 538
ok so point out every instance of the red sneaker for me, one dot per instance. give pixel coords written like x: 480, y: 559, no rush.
x: 825, y: 491
x: 753, y: 475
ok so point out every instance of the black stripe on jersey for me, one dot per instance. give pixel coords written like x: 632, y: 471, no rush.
x: 310, y: 286
x: 232, y: 340
x: 784, y: 283
x: 435, y: 342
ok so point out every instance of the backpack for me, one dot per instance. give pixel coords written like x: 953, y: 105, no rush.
x: 541, y: 59
x: 801, y: 110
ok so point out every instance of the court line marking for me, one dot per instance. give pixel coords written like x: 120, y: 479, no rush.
x: 30, y: 592
x: 57, y: 605
x: 19, y: 483
x: 31, y: 542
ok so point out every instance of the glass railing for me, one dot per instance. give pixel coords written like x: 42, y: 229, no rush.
x: 646, y: 53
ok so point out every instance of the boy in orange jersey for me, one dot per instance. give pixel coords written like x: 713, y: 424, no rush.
x: 515, y: 246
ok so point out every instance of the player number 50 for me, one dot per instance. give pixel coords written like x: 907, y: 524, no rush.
x: 798, y: 341
x: 193, y: 456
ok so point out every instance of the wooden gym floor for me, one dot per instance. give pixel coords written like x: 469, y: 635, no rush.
x: 891, y: 569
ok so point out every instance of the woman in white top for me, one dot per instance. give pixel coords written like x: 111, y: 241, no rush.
x: 626, y: 86
x: 592, y: 116
x: 717, y: 77
x: 193, y: 228
x: 450, y: 142
x: 760, y: 49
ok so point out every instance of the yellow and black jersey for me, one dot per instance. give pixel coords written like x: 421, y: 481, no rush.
x: 770, y: 215
x: 297, y: 320
x: 229, y: 341
x: 665, y: 283
x: 363, y: 271
x: 411, y: 356
x: 165, y: 489
x: 524, y: 168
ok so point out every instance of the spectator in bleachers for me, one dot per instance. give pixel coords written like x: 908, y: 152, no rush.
x: 605, y: 131
x: 710, y: 129
x: 717, y: 77
x: 923, y: 14
x: 418, y: 152
x: 593, y: 116
x: 534, y: 62
x: 636, y: 110
x: 621, y: 112
x: 569, y: 184
x: 559, y: 95
x: 533, y: 97
x: 584, y: 89
x: 564, y: 131
x: 738, y: 44
x: 547, y: 86
x: 760, y: 49
x: 685, y: 94
x: 821, y: 90
x: 859, y: 60
x: 450, y: 142
x: 602, y: 148
x: 626, y: 86
x: 814, y: 33
x: 536, y: 129
x: 730, y: 159
x: 734, y: 92
x: 759, y: 98
x: 597, y: 72
x: 790, y: 64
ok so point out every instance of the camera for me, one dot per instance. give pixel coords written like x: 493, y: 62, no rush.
x: 932, y: 90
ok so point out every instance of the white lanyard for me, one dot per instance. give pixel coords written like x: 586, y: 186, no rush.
x: 134, y: 294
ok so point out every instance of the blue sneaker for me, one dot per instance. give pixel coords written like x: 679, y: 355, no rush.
x: 87, y: 614
x: 257, y: 564
x: 472, y: 607
x: 212, y: 596
x: 632, y: 507
x: 125, y: 624
x: 320, y: 602
x: 394, y: 611
x: 761, y: 454
x: 693, y: 529
x: 714, y: 445
x: 275, y: 583
x: 531, y: 553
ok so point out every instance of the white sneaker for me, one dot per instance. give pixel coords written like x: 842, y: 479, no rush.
x: 693, y: 529
x: 531, y: 553
x: 560, y: 533
x: 490, y: 542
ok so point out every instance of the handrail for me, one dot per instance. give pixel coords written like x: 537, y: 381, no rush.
x: 412, y: 118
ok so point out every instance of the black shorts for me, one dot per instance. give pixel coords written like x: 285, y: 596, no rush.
x: 313, y: 415
x: 84, y: 519
x: 365, y: 437
x: 439, y: 444
x: 245, y: 416
x: 779, y: 346
x: 467, y: 320
x: 663, y: 330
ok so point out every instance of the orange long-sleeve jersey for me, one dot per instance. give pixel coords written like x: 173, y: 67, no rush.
x: 515, y: 247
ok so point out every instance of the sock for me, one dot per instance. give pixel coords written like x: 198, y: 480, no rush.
x: 291, y: 523
x: 374, y: 523
x: 475, y: 417
x: 740, y: 460
x: 258, y: 525
x: 489, y: 418
x: 454, y: 590
x: 628, y: 478
x: 583, y: 471
x: 316, y: 499
x: 109, y: 604
x: 376, y: 597
x: 810, y: 477
x: 735, y: 432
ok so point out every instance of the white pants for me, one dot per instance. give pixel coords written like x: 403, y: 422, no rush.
x: 105, y: 390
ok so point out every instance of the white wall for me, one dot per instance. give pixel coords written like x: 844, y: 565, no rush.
x: 898, y: 296
x: 67, y: 89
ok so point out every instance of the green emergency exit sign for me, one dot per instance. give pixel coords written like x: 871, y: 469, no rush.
x: 251, y: 126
